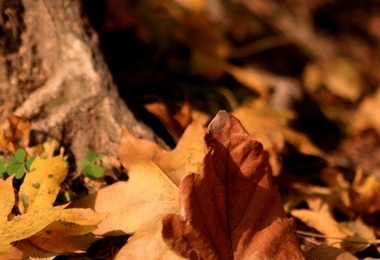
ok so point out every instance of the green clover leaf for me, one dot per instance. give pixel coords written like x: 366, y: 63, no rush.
x: 89, y: 167
x: 17, y: 164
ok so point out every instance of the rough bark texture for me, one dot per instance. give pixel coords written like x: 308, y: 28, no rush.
x: 54, y: 74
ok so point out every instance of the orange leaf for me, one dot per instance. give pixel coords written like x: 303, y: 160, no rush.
x: 231, y: 210
x: 184, y: 159
x: 365, y: 193
x: 270, y: 127
x: 19, y: 130
x: 5, y: 143
x: 175, y: 123
x: 71, y: 232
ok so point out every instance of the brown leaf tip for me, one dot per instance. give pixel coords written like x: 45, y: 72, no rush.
x: 219, y: 121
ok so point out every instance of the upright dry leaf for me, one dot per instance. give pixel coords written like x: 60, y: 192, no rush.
x: 41, y: 184
x: 232, y: 210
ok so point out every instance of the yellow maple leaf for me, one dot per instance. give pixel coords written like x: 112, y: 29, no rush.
x: 39, y: 191
x: 25, y: 225
x: 14, y: 228
x: 150, y: 193
x: 184, y: 159
x: 141, y: 202
x: 70, y: 232
x: 41, y: 184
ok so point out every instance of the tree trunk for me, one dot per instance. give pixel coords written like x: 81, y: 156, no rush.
x: 53, y: 73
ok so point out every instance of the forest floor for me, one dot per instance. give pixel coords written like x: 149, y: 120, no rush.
x: 301, y: 77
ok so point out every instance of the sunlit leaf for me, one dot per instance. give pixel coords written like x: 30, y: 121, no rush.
x: 71, y: 232
x: 231, y: 210
x: 20, y: 155
x: 41, y: 185
x: 17, y: 169
x: 93, y: 171
x: 25, y: 225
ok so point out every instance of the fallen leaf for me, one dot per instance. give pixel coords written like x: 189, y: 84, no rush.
x: 338, y: 74
x: 325, y: 224
x: 44, y: 150
x: 365, y: 193
x: 26, y: 225
x: 174, y: 123
x: 249, y: 77
x: 7, y: 198
x: 19, y: 130
x: 79, y: 221
x: 24, y: 249
x: 232, y: 210
x: 269, y: 126
x: 21, y: 226
x: 362, y: 231
x: 141, y: 203
x: 367, y: 114
x: 5, y: 143
x: 35, y: 219
x: 195, y: 6
x: 70, y: 232
x: 328, y: 253
x: 10, y: 252
x: 184, y: 159
x: 41, y: 185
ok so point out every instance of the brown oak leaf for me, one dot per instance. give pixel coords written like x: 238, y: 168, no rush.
x: 231, y: 210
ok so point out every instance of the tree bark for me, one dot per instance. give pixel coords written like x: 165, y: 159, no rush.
x: 53, y: 73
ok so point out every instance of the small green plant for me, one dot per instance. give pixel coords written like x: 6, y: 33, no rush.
x: 17, y: 164
x: 89, y: 167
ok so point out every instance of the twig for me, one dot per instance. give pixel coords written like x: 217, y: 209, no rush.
x: 259, y: 46
x: 347, y: 239
x: 285, y: 21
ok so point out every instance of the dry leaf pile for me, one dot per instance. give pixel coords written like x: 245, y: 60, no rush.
x: 212, y: 197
